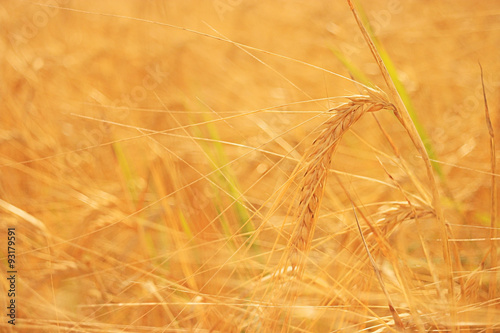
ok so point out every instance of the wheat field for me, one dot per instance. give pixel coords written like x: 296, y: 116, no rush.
x: 249, y: 166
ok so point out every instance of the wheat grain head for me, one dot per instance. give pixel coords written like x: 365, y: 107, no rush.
x: 316, y: 164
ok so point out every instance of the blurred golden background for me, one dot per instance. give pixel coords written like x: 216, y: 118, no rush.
x: 143, y: 143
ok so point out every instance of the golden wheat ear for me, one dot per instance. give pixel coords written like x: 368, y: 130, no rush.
x: 316, y: 165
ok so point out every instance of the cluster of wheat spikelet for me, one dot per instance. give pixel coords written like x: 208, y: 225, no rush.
x: 390, y: 217
x: 316, y: 165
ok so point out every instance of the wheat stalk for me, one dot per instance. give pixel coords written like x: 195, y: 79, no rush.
x: 405, y: 119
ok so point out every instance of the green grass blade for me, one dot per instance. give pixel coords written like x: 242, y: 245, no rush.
x: 185, y: 225
x: 355, y: 72
x: 126, y: 170
x: 391, y: 68
x: 225, y: 180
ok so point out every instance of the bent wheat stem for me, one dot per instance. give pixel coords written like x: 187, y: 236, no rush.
x: 405, y: 119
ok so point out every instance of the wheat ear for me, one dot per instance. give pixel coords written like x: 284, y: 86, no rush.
x: 318, y: 160
x: 316, y: 164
